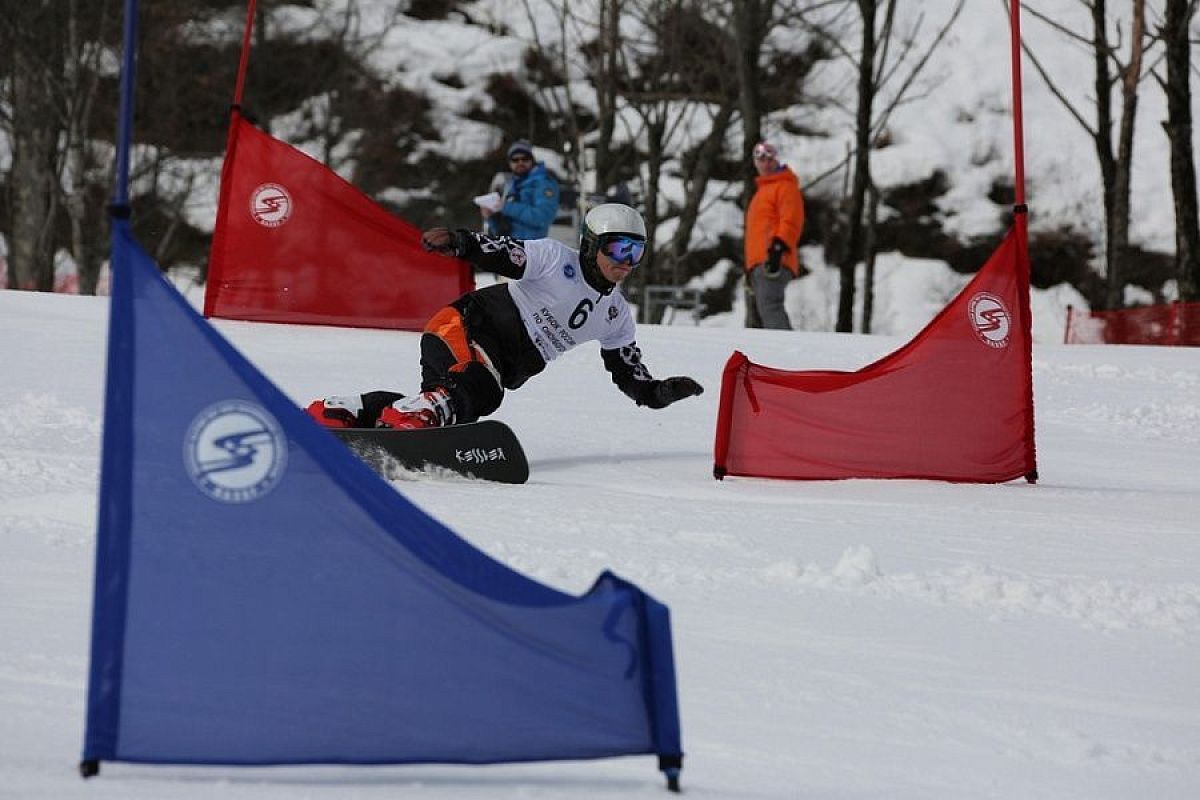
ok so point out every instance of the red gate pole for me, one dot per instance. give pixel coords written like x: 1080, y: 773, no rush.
x: 1021, y: 222
x: 244, y: 61
x: 1018, y: 118
x: 213, y: 282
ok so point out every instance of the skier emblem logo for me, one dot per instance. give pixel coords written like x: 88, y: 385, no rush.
x: 235, y: 451
x: 991, y: 319
x: 270, y: 205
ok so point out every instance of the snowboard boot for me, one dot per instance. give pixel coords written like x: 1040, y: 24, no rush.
x: 431, y: 409
x: 336, y: 412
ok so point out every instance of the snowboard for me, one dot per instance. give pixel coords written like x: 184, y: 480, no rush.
x: 487, y: 450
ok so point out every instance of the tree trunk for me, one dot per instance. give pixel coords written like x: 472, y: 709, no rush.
x: 606, y: 93
x: 1119, y: 222
x: 1179, y: 132
x: 749, y: 30
x: 868, y: 307
x: 80, y: 80
x: 656, y: 128
x: 36, y: 128
x: 750, y: 26
x: 1102, y: 138
x: 862, y: 167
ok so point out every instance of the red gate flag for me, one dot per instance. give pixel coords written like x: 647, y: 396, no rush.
x: 294, y: 242
x: 955, y: 403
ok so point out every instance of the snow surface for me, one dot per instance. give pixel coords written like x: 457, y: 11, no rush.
x: 851, y: 639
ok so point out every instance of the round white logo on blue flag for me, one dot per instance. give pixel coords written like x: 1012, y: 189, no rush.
x: 235, y: 451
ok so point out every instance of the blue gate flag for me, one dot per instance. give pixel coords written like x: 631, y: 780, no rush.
x: 263, y: 597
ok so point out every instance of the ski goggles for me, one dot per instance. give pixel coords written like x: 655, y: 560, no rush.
x: 623, y: 249
x: 764, y: 152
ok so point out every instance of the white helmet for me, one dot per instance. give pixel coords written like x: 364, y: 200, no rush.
x: 604, y: 220
x: 614, y: 218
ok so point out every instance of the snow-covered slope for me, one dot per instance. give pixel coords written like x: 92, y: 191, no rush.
x: 834, y: 639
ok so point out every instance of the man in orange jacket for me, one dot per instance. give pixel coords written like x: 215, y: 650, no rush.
x: 774, y: 222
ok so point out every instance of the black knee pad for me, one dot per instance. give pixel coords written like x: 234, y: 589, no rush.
x: 475, y: 392
x: 436, y: 361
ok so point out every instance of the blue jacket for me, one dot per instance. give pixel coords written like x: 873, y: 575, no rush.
x: 530, y: 205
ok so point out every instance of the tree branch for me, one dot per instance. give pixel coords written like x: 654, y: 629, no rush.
x: 1050, y: 84
x: 882, y: 120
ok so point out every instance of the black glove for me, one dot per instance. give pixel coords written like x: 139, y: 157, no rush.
x: 774, y: 256
x: 669, y: 390
x: 444, y: 241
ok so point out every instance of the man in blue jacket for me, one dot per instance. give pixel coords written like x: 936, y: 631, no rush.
x: 530, y: 198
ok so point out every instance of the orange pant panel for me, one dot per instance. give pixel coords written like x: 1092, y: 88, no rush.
x: 447, y: 325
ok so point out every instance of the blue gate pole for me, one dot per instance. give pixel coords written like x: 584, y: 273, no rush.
x: 120, y: 204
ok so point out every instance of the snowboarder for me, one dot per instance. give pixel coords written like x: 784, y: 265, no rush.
x: 499, y: 337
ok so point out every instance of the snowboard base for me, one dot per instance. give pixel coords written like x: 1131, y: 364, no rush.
x: 487, y: 450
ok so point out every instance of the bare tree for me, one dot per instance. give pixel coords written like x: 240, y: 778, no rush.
x: 752, y: 23
x: 1178, y: 125
x: 889, y: 67
x: 573, y: 45
x: 655, y: 89
x: 607, y: 67
x: 658, y: 70
x: 705, y: 53
x: 61, y: 89
x: 1130, y: 78
x: 770, y: 77
x: 30, y: 36
x: 83, y: 173
x: 1116, y: 163
x: 867, y: 89
x: 562, y: 53
x: 56, y: 180
x: 676, y: 68
x: 892, y: 78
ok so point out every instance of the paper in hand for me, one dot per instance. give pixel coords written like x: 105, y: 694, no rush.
x: 491, y: 201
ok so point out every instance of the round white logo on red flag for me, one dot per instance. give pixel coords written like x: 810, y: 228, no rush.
x: 991, y: 319
x: 270, y: 205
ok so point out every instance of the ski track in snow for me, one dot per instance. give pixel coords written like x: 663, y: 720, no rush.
x: 1176, y: 420
x: 39, y: 425
x: 899, y: 639
x: 1106, y: 605
x: 36, y: 429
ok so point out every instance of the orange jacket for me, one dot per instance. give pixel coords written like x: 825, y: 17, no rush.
x: 776, y: 210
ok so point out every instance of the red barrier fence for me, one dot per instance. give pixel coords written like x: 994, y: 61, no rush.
x: 1176, y: 324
